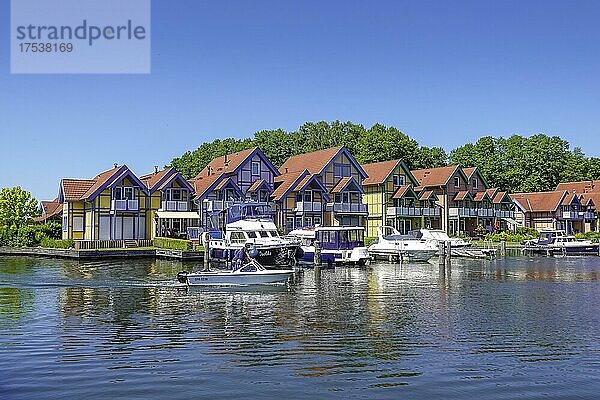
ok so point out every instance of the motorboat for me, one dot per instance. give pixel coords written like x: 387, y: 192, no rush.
x: 251, y: 226
x: 252, y: 273
x: 339, y: 244
x: 439, y: 235
x: 391, y: 245
x: 557, y: 242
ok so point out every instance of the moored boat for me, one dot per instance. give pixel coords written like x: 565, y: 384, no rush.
x: 393, y: 246
x: 438, y: 236
x: 556, y: 242
x: 251, y: 224
x: 339, y: 245
x: 252, y: 273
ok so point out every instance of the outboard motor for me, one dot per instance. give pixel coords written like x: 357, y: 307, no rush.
x: 182, y: 277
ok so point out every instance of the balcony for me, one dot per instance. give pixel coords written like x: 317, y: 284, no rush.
x: 431, y: 211
x: 304, y: 206
x: 589, y: 215
x: 572, y: 215
x: 404, y: 212
x: 485, y: 212
x: 462, y: 212
x: 124, y: 205
x: 217, y: 205
x: 504, y: 214
x: 171, y: 205
x: 347, y: 208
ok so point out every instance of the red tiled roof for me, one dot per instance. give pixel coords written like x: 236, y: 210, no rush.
x: 50, y: 209
x: 539, y: 201
x: 492, y: 192
x: 227, y: 163
x: 74, y: 189
x: 312, y: 162
x: 303, y: 182
x: 499, y: 196
x: 479, y: 196
x: 256, y: 185
x: 580, y: 187
x: 435, y: 176
x: 569, y: 198
x: 462, y: 195
x: 150, y: 180
x: 341, y: 184
x: 378, y: 172
x: 592, y: 196
x: 285, y: 182
x: 401, y: 191
x: 100, y: 180
x: 202, y: 183
x: 426, y: 195
x: 223, y: 183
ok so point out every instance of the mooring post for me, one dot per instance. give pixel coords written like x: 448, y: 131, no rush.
x: 317, y: 256
x: 449, y: 250
x: 502, y: 247
x: 442, y: 253
x: 206, y: 242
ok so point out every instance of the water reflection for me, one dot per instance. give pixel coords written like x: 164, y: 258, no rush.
x: 370, y: 329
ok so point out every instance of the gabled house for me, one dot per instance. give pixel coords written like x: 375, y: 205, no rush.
x: 245, y: 175
x: 111, y: 206
x: 590, y: 192
x: 342, y: 176
x: 450, y: 185
x: 539, y: 210
x: 300, y: 198
x: 392, y: 200
x: 51, y: 211
x: 171, y: 211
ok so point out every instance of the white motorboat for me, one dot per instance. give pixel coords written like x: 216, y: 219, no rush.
x: 438, y: 236
x: 557, y: 242
x: 339, y: 244
x: 251, y: 226
x: 393, y: 246
x: 251, y: 273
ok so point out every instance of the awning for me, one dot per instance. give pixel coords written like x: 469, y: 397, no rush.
x: 177, y: 214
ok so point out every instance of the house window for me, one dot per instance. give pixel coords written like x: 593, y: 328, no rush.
x: 475, y: 183
x: 337, y: 198
x: 457, y: 181
x: 65, y: 223
x: 317, y: 221
x: 128, y: 192
x: 255, y: 168
x: 399, y: 180
x: 118, y: 193
x: 77, y: 224
x: 341, y: 170
x: 176, y: 194
x: 308, y: 196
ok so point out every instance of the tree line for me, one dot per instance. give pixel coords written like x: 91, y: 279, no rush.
x: 516, y: 163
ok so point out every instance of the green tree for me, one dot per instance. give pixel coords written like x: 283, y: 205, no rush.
x: 17, y: 207
x: 381, y: 143
x: 278, y: 145
x: 431, y: 157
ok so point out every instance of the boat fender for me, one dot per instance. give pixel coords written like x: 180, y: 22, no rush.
x: 253, y: 252
x: 182, y: 276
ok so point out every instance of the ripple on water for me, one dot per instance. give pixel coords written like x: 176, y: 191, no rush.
x: 513, y: 328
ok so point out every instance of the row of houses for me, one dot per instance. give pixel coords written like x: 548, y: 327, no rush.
x: 327, y: 187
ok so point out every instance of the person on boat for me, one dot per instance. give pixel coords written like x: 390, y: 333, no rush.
x: 241, y: 257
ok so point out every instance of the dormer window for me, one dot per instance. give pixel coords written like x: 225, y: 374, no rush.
x: 457, y: 181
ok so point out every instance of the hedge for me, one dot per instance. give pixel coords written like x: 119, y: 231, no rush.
x: 57, y: 243
x: 172, y: 244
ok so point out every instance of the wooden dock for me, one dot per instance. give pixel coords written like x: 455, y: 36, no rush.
x: 101, y: 254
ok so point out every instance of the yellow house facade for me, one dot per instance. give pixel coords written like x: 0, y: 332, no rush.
x: 111, y: 206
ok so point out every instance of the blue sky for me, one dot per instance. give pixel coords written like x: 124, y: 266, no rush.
x: 442, y: 72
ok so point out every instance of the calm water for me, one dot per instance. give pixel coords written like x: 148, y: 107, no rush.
x: 505, y: 329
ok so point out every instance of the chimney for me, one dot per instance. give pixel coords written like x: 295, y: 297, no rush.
x: 116, y: 165
x: 226, y: 161
x: 156, y: 169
